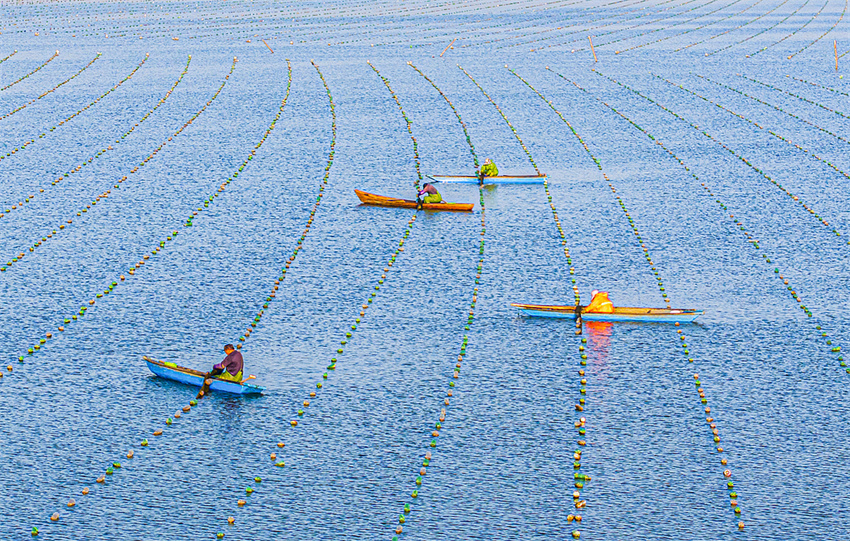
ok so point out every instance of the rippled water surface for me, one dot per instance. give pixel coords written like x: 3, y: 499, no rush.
x: 728, y: 155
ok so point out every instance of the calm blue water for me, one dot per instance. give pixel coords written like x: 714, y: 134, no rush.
x: 503, y: 464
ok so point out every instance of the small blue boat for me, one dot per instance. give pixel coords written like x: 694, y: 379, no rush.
x: 621, y: 313
x: 500, y: 179
x: 169, y: 370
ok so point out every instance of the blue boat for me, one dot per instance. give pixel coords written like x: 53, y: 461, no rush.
x: 169, y: 370
x: 621, y: 313
x: 500, y: 179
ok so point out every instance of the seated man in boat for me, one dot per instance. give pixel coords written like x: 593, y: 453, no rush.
x: 431, y: 195
x: 599, y: 304
x: 230, y: 368
x: 489, y: 169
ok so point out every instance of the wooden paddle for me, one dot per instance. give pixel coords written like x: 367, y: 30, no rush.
x: 249, y: 378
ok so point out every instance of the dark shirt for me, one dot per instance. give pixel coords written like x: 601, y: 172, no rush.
x: 232, y: 363
x: 430, y: 189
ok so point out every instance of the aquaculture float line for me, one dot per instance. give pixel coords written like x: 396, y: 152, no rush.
x: 731, y: 151
x: 585, y: 29
x: 652, y: 31
x: 43, y: 94
x: 732, y: 30
x: 688, y: 31
x: 614, y: 22
x: 818, y: 85
x: 682, y: 338
x: 748, y: 38
x: 775, y: 107
x: 750, y: 239
x: 8, y: 56
x: 102, y: 198
x: 766, y: 47
x: 409, y: 124
x: 156, y: 250
x: 25, y: 144
x: 831, y: 28
x: 438, y: 426
x: 28, y: 199
x: 18, y: 80
x: 297, y: 418
x: 545, y: 181
x: 811, y: 102
x: 771, y: 132
x: 169, y: 422
x: 580, y: 424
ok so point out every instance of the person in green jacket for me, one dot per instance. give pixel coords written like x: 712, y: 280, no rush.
x: 489, y: 169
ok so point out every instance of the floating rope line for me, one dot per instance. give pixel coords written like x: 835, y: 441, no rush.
x: 597, y: 27
x: 749, y: 238
x: 801, y: 98
x: 742, y: 25
x: 806, y: 151
x: 688, y: 31
x: 409, y: 126
x: 42, y: 135
x: 170, y: 421
x: 438, y: 426
x: 766, y: 47
x: 36, y: 70
x: 28, y: 199
x: 581, y: 423
x: 620, y: 30
x: 816, y: 85
x: 103, y: 197
x: 775, y: 107
x: 710, y: 24
x: 748, y: 38
x: 275, y: 459
x: 161, y: 245
x: 749, y: 164
x: 8, y: 56
x: 27, y: 104
x: 727, y: 473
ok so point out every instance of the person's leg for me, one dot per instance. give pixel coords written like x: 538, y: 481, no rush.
x: 432, y: 198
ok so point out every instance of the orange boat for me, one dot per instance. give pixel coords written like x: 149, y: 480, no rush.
x: 382, y: 201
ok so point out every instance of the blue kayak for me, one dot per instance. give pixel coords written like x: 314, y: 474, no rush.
x: 169, y: 370
x: 621, y: 313
x: 500, y: 179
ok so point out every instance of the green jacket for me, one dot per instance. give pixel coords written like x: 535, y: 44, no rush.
x: 490, y: 170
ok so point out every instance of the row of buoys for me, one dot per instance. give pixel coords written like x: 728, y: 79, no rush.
x: 42, y: 135
x: 280, y: 463
x: 8, y: 56
x: 499, y: 109
x: 792, y: 94
x: 694, y: 29
x: 818, y: 85
x: 820, y: 37
x: 584, y: 30
x: 776, y: 107
x: 549, y: 196
x: 409, y: 123
x: 79, y: 167
x: 682, y: 339
x: 144, y: 161
x: 759, y: 126
x: 765, y: 14
x: 185, y: 409
x: 812, y: 18
x: 56, y: 87
x: 438, y: 426
x: 723, y: 145
x: 114, y: 466
x: 36, y: 70
x: 626, y: 29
